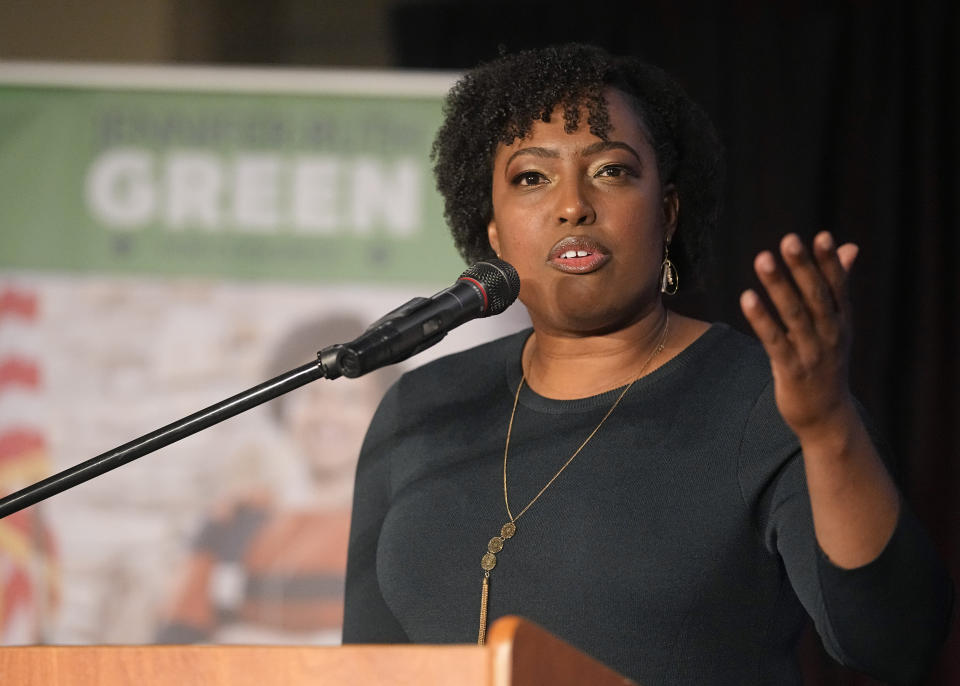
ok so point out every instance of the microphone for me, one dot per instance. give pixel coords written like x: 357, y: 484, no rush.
x: 485, y: 289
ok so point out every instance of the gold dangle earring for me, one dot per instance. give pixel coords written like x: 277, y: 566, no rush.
x: 669, y: 278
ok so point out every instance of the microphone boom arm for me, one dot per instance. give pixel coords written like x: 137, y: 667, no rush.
x: 171, y: 433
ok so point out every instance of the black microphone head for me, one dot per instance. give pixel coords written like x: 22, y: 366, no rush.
x: 499, y: 281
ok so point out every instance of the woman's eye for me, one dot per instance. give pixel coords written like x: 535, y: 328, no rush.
x: 529, y: 178
x: 615, y: 171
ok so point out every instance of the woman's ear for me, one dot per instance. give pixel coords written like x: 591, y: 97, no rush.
x: 493, y: 237
x: 671, y: 211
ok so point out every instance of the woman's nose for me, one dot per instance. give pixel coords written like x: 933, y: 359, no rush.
x: 574, y: 206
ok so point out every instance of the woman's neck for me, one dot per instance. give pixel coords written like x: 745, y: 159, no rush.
x: 564, y: 366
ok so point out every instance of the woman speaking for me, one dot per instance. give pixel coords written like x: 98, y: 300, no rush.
x: 666, y: 494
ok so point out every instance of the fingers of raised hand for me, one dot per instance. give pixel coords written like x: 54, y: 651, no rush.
x: 768, y: 330
x: 787, y: 300
x: 819, y: 286
x: 835, y: 265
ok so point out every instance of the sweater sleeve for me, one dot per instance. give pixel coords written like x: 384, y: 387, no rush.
x: 889, y: 617
x: 367, y: 618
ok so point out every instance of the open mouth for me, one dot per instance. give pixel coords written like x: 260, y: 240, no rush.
x: 578, y: 255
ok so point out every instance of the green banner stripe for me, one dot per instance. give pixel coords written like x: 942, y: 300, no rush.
x: 317, y: 187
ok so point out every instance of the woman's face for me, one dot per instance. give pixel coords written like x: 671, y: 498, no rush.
x: 584, y: 221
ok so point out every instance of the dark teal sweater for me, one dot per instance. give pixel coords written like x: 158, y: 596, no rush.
x: 678, y: 547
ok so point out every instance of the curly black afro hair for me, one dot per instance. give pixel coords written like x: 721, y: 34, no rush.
x: 499, y: 101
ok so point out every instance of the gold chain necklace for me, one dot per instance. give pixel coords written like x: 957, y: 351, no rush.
x: 508, y: 530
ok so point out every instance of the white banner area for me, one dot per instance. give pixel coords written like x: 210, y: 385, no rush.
x: 168, y: 238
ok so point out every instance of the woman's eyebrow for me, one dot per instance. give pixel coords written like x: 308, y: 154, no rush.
x: 592, y: 149
x: 604, y: 146
x: 534, y: 151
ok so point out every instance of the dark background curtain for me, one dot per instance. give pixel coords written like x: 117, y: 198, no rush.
x: 837, y: 115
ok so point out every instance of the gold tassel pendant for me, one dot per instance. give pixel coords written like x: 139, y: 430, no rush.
x: 484, y: 594
x: 487, y: 563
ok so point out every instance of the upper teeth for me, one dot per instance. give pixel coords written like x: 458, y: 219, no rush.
x: 574, y: 253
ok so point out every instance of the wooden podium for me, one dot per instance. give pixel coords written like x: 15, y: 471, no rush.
x: 517, y: 653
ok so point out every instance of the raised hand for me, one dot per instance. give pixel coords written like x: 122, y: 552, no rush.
x: 854, y: 502
x: 809, y: 353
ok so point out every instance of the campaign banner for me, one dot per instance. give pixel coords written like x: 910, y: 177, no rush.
x: 168, y: 238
